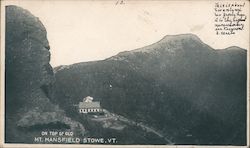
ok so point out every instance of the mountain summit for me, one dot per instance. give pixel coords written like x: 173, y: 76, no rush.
x: 170, y: 43
x: 191, y: 92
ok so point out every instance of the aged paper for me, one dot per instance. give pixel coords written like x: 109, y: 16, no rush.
x: 124, y: 73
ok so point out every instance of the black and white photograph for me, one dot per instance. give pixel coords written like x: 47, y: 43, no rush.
x: 124, y: 72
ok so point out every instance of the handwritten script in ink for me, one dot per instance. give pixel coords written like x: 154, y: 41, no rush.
x: 229, y: 17
x: 120, y: 2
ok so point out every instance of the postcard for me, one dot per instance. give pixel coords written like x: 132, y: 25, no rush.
x: 124, y: 73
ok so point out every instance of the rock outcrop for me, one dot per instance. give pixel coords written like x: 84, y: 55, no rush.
x: 29, y: 80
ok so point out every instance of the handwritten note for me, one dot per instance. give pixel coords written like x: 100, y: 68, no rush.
x: 120, y: 2
x: 229, y: 17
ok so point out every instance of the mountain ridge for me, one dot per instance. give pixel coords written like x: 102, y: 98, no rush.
x: 165, y: 40
x: 191, y: 91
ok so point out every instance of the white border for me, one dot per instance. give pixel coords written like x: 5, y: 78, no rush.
x: 2, y: 106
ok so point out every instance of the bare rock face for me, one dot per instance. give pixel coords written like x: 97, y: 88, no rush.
x: 29, y: 79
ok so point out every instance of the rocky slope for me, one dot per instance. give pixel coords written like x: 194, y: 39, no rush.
x: 29, y: 79
x: 190, y: 92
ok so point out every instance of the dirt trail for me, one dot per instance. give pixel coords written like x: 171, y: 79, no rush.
x: 141, y: 125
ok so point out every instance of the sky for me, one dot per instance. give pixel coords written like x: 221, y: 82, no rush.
x: 80, y: 31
